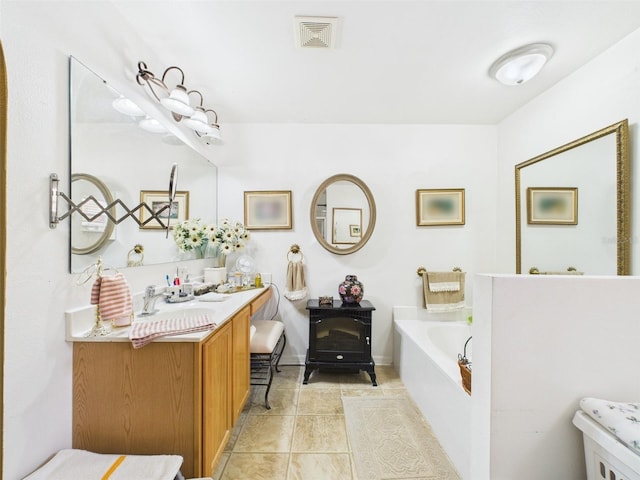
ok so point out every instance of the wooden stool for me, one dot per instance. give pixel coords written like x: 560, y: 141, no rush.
x: 267, y: 345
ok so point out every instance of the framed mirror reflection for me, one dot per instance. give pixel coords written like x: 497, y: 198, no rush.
x: 129, y: 161
x: 550, y: 236
x: 343, y: 214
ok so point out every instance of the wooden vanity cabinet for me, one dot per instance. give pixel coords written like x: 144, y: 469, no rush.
x: 241, y: 366
x: 165, y: 398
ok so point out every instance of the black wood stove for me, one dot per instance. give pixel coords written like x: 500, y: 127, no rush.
x: 340, y: 338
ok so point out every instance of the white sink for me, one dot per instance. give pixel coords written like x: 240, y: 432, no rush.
x: 183, y: 311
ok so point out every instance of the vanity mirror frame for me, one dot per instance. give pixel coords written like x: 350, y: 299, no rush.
x: 623, y: 190
x: 372, y: 214
x: 107, y: 197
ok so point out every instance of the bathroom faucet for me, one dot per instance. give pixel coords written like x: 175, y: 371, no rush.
x: 149, y: 301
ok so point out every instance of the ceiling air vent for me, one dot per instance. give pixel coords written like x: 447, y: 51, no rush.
x: 315, y: 32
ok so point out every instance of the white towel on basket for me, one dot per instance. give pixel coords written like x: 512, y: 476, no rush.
x: 80, y: 464
x: 146, y: 331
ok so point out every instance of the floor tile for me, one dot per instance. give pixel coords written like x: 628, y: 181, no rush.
x: 282, y: 401
x: 320, y: 401
x: 304, y: 434
x: 236, y: 430
x: 289, y: 376
x: 256, y: 466
x: 320, y: 433
x: 388, y: 377
x: 222, y: 463
x: 265, y: 434
x: 362, y: 392
x: 320, y: 379
x: 320, y: 466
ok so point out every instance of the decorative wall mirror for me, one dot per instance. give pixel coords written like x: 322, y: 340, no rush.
x: 573, y: 206
x: 343, y: 214
x: 88, y: 237
x: 126, y: 160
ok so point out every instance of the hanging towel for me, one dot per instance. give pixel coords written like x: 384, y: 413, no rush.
x: 443, y: 291
x: 296, y: 287
x: 113, y: 296
x: 71, y: 463
x: 146, y: 331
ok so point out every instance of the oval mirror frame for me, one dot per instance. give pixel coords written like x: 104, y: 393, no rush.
x: 622, y: 184
x: 372, y: 214
x: 108, y: 198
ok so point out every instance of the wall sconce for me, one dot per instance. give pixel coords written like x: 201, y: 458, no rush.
x: 522, y: 64
x: 212, y: 135
x: 177, y: 101
x: 127, y: 107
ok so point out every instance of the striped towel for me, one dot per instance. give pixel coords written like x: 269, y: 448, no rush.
x: 146, y: 331
x: 113, y: 297
x: 68, y: 464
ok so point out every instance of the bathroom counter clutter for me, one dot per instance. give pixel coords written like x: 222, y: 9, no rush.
x: 177, y: 395
x: 219, y: 308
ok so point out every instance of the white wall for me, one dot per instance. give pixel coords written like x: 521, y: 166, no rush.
x: 601, y: 93
x: 393, y: 161
x: 37, y: 38
x: 540, y: 344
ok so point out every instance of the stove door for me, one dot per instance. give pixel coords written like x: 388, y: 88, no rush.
x: 339, y: 339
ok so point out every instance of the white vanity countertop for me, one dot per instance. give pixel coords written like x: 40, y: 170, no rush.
x: 80, y: 321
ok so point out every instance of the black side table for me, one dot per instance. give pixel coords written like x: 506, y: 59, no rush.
x: 340, y: 338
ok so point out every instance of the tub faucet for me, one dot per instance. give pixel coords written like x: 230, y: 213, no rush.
x: 149, y: 301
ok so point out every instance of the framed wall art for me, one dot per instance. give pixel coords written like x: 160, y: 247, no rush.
x: 552, y: 206
x: 436, y: 207
x: 267, y: 210
x: 157, y: 200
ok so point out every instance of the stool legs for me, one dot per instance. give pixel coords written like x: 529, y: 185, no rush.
x: 263, y: 366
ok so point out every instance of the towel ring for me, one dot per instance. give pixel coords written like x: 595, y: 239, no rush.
x: 294, y: 250
x: 94, y: 270
x: 135, y: 257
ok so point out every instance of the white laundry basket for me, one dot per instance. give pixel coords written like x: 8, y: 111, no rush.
x: 606, y: 457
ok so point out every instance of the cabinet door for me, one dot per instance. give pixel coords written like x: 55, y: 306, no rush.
x: 241, y: 361
x: 216, y: 398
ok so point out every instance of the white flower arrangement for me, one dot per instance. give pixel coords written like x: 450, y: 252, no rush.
x: 227, y: 237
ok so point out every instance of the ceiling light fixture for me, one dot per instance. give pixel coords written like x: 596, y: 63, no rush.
x: 177, y: 101
x: 522, y: 64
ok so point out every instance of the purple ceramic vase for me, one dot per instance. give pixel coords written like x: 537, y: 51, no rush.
x: 351, y: 290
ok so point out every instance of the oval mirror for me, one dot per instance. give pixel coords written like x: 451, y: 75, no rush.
x: 573, y: 206
x: 90, y: 234
x: 343, y: 214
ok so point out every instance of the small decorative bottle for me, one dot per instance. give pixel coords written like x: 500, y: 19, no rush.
x: 351, y: 290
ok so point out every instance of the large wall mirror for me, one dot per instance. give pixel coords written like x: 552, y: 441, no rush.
x: 343, y: 214
x: 573, y: 206
x: 112, y: 156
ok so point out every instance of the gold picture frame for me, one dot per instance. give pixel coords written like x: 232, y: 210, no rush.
x: 158, y: 199
x: 267, y: 210
x: 437, y: 207
x: 552, y: 205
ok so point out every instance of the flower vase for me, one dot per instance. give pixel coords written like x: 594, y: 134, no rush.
x: 351, y: 290
x: 219, y: 260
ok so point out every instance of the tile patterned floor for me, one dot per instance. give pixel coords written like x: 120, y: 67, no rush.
x: 303, y: 436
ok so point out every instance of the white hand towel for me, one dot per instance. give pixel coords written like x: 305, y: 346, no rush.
x: 296, y: 285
